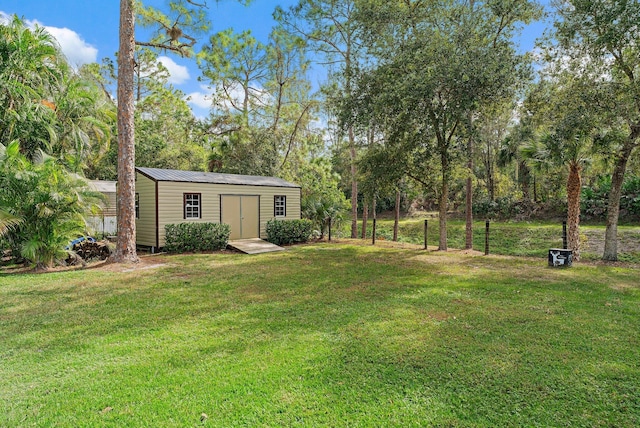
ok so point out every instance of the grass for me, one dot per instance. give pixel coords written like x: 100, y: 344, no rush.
x: 509, y: 238
x: 323, y: 335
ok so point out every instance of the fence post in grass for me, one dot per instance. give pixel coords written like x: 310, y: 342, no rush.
x: 564, y: 235
x: 373, y: 234
x: 329, y: 220
x: 486, y: 238
x: 426, y: 227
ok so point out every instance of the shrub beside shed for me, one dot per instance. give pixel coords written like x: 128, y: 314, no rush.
x: 244, y: 202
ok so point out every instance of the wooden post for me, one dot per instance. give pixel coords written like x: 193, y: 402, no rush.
x: 329, y: 219
x: 426, y: 227
x: 486, y: 238
x: 564, y: 235
x: 373, y: 233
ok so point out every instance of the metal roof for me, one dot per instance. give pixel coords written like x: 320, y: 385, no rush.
x: 212, y: 178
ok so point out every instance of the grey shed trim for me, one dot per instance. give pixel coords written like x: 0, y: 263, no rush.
x: 173, y: 175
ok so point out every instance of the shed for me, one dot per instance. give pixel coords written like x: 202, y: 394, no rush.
x: 105, y: 221
x: 245, y: 202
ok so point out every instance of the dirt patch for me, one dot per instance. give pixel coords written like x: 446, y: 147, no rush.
x: 144, y: 263
x: 628, y: 241
x: 439, y: 316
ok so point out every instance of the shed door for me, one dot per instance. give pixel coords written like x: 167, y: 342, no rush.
x: 242, y: 214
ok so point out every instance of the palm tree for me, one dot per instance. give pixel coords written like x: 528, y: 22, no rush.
x: 31, y: 65
x: 7, y: 220
x: 50, y: 201
x: 83, y: 122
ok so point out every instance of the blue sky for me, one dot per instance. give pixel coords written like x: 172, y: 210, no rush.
x: 88, y: 32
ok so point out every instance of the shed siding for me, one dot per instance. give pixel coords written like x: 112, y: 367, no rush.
x: 170, y: 202
x: 146, y: 223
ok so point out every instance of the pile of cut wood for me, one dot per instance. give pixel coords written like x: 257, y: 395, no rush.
x: 89, y: 250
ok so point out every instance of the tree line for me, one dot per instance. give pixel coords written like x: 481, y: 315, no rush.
x: 425, y: 103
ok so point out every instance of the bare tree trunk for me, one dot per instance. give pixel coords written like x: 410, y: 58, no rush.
x: 525, y: 179
x: 469, y: 198
x: 373, y: 207
x: 365, y: 218
x: 397, y: 216
x: 613, y: 205
x: 354, y: 186
x: 574, y: 184
x: 373, y: 215
x: 126, y: 243
x: 442, y: 209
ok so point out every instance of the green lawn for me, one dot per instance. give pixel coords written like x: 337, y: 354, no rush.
x: 323, y: 335
x: 510, y: 238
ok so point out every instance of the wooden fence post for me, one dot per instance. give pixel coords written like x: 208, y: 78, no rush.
x: 486, y: 238
x: 426, y: 227
x: 373, y: 233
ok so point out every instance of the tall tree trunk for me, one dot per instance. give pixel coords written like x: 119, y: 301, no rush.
x: 574, y: 184
x: 354, y: 185
x: 373, y: 207
x: 126, y: 242
x: 365, y: 218
x: 396, y: 220
x: 469, y: 198
x: 491, y: 182
x: 525, y: 180
x: 613, y: 205
x: 373, y: 215
x: 443, y: 199
x: 442, y: 209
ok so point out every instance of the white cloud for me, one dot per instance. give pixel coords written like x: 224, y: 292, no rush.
x: 77, y: 51
x: 198, y: 99
x: 178, y: 74
x: 227, y: 99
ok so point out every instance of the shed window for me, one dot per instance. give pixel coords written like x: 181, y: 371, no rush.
x: 280, y: 206
x: 192, y: 205
x: 137, y: 205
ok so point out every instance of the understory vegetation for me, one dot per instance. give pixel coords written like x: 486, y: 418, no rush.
x: 322, y: 335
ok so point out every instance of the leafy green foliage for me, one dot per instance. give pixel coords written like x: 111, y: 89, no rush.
x: 7, y: 220
x: 261, y: 107
x: 500, y: 208
x: 174, y: 29
x: 31, y: 67
x: 283, y: 232
x: 166, y: 130
x: 435, y: 66
x: 188, y: 237
x: 49, y: 202
x: 321, y: 198
x: 595, y: 198
x: 45, y: 104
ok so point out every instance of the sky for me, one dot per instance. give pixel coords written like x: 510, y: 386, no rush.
x: 87, y: 31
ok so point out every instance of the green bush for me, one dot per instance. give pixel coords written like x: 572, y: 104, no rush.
x: 187, y: 237
x: 594, y: 199
x: 281, y: 232
x: 42, y: 206
x: 501, y: 208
